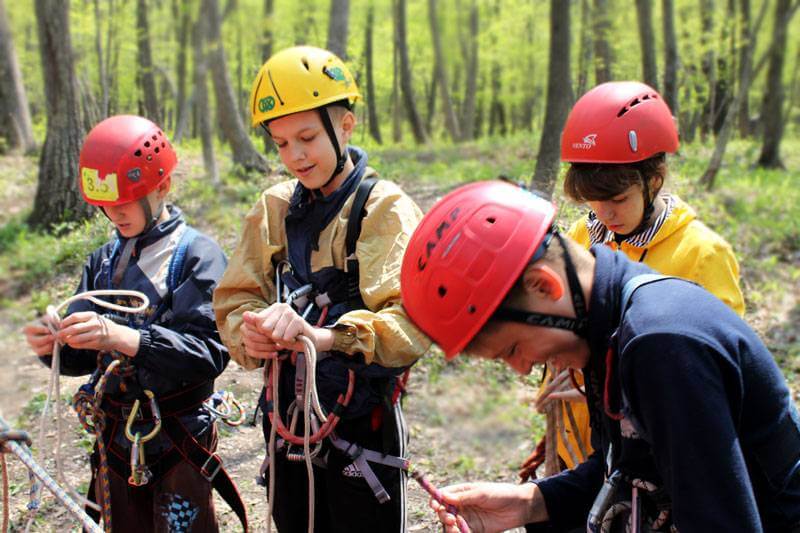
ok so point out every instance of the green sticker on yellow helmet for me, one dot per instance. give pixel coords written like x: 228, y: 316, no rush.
x: 94, y: 188
x: 266, y: 104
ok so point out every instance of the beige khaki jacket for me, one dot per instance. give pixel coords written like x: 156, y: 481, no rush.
x: 382, y: 332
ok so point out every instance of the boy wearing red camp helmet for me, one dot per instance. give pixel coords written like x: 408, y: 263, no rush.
x: 687, y: 405
x: 616, y: 139
x: 168, y: 356
x: 334, y: 236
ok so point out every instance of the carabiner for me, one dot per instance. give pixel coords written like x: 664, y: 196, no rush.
x: 156, y: 419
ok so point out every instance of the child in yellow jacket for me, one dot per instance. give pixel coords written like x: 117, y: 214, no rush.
x: 329, y: 245
x: 616, y: 138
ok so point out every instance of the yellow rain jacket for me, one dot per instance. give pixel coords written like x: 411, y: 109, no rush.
x: 382, y: 332
x: 684, y: 247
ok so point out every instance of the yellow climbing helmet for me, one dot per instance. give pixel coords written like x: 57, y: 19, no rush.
x: 298, y: 79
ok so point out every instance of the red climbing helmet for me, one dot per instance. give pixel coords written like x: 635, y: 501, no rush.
x: 618, y: 122
x: 465, y: 256
x: 123, y: 159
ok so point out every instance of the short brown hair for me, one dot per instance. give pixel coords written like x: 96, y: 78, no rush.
x: 587, y: 182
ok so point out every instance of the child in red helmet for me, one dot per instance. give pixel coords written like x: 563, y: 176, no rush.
x: 616, y: 139
x: 693, y: 424
x: 168, y: 356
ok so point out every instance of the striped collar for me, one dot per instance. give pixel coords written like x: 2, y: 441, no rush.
x: 598, y: 233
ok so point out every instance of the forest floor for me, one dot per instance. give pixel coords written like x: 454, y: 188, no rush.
x: 469, y: 420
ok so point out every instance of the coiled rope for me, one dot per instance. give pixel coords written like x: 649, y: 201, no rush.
x: 52, y: 320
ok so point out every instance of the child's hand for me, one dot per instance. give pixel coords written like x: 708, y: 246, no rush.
x: 89, y: 331
x: 39, y: 337
x: 281, y: 323
x: 256, y: 344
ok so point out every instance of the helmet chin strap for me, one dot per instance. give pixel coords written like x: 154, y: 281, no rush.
x: 578, y: 325
x: 341, y: 157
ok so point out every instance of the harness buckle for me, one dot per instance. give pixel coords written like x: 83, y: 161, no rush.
x: 204, y: 471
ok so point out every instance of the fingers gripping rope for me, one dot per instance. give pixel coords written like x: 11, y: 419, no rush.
x: 52, y: 320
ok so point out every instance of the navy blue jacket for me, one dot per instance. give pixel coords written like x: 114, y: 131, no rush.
x: 712, y: 418
x: 180, y: 347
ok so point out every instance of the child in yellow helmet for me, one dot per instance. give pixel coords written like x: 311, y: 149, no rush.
x: 334, y: 236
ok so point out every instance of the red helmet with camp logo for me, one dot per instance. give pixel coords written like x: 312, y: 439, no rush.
x: 618, y: 122
x: 123, y: 159
x: 465, y: 256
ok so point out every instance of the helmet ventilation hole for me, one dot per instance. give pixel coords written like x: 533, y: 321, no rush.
x: 137, y: 153
x: 147, y: 144
x: 305, y: 63
x: 491, y: 220
x: 149, y: 157
x: 316, y: 93
x: 154, y: 138
x: 156, y: 149
x: 471, y: 309
x: 442, y: 291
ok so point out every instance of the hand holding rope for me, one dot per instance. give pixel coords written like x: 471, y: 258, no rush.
x: 52, y: 320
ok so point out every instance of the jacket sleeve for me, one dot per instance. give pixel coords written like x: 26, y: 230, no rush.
x: 569, y: 495
x: 718, y: 272
x: 73, y: 362
x: 692, y: 433
x: 247, y: 284
x: 188, y: 345
x: 383, y: 333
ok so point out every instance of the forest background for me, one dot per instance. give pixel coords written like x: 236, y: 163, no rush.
x: 455, y: 91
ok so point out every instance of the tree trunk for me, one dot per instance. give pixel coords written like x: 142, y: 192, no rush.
x: 372, y: 110
x: 772, y: 107
x: 57, y: 196
x: 471, y: 60
x: 397, y: 125
x: 182, y: 104
x: 585, y: 55
x: 112, y: 58
x: 267, y: 35
x: 338, y: 23
x: 559, y: 99
x: 670, y: 56
x: 745, y: 70
x: 146, y: 72
x: 709, y: 65
x: 603, y: 59
x: 201, y: 108
x: 748, y: 47
x: 15, y: 116
x: 430, y: 97
x: 410, y: 106
x: 497, y: 114
x: 101, y: 65
x: 644, y: 10
x: 244, y: 153
x: 450, y: 119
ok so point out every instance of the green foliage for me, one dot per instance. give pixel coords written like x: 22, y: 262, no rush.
x: 28, y: 258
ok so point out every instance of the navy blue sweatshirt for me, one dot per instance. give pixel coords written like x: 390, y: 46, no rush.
x: 711, y: 416
x: 181, y: 346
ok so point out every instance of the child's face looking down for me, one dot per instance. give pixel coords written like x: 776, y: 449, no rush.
x: 622, y: 213
x: 129, y: 218
x: 306, y: 149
